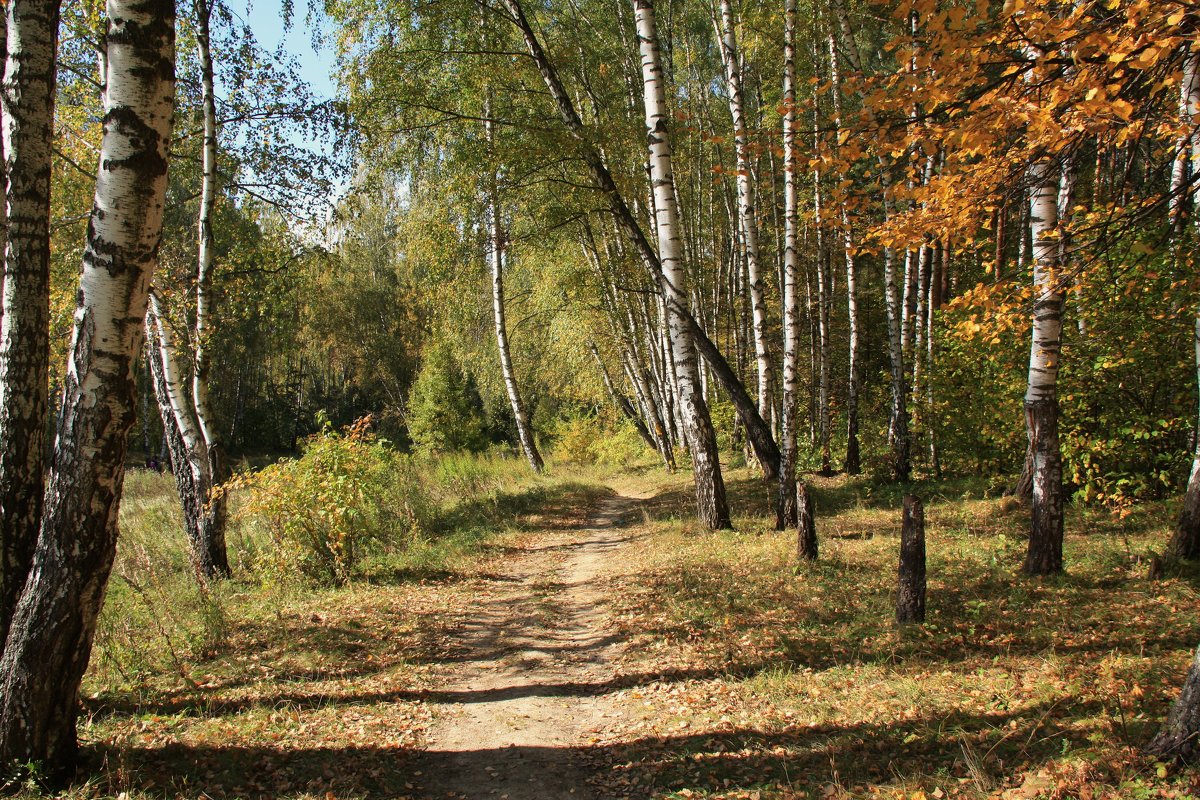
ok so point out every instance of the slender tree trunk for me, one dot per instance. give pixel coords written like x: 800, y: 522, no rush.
x: 186, y: 447
x: 746, y: 207
x: 215, y: 561
x: 27, y: 100
x: 853, y: 459
x: 623, y: 403
x: 497, y: 250
x: 50, y: 639
x: 933, y: 303
x: 639, y: 379
x: 1189, y: 104
x: 1185, y: 543
x: 785, y: 512
x: 901, y: 439
x: 824, y: 345
x: 180, y: 435
x: 1041, y: 398
x: 706, y: 468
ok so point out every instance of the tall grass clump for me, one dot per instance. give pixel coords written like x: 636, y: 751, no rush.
x: 157, y: 618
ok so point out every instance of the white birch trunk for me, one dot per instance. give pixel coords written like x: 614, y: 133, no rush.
x: 706, y: 467
x: 785, y: 512
x: 50, y: 638
x: 824, y: 290
x: 1182, y: 168
x: 497, y: 250
x: 212, y: 561
x: 1041, y: 398
x: 1185, y: 543
x: 748, y: 228
x: 853, y: 463
x: 191, y: 463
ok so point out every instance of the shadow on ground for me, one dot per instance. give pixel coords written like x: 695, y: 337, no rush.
x: 995, y: 744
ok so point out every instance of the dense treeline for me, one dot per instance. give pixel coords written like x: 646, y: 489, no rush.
x: 818, y: 236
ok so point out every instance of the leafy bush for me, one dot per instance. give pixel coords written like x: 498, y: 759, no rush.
x: 319, y: 511
x: 1126, y: 385
x: 588, y: 438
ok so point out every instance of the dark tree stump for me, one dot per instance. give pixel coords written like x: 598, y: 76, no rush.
x: 910, y: 590
x: 806, y: 523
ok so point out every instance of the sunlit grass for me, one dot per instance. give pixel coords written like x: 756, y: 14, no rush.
x: 1010, y: 676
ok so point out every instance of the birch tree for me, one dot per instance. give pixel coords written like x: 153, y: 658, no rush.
x: 702, y: 440
x: 785, y: 511
x: 1186, y: 541
x: 853, y: 464
x: 50, y: 638
x: 186, y: 447
x: 747, y: 216
x: 27, y: 98
x: 497, y: 248
x: 213, y: 562
x: 1044, y: 555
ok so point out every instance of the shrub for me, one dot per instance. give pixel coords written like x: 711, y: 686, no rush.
x: 586, y: 438
x: 321, y: 510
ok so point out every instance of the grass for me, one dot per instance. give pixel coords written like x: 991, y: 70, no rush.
x: 798, y: 684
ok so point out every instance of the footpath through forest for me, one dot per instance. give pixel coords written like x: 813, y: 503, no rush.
x: 525, y: 688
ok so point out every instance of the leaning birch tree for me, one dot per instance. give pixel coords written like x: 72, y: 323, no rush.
x: 50, y: 638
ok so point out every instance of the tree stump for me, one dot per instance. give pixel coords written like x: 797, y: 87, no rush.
x: 806, y: 525
x: 910, y: 590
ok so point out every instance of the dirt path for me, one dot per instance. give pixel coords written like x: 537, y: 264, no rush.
x: 526, y: 686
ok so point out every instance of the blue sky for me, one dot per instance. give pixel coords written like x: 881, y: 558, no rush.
x: 266, y: 18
